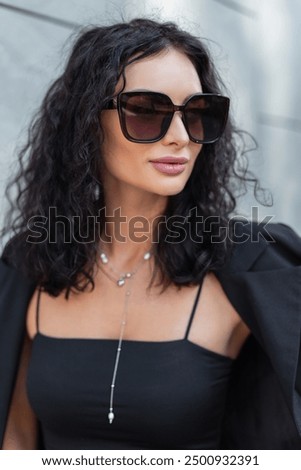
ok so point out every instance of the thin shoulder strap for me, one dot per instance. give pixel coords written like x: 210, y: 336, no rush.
x: 194, y: 309
x: 38, y: 310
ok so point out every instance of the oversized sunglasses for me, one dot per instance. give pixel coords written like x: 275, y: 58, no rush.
x: 145, y: 116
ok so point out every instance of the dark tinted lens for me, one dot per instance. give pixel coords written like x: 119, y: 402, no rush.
x: 145, y: 116
x: 206, y: 117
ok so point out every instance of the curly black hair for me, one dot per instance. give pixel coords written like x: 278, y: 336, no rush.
x: 59, y: 168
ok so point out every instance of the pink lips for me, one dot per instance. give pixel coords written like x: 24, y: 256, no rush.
x: 170, y: 165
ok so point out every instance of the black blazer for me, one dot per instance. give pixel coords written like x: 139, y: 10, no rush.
x: 262, y: 279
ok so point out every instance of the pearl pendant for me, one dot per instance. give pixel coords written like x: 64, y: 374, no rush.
x: 120, y: 282
x: 111, y: 416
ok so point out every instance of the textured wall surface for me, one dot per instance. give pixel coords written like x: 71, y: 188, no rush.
x: 254, y: 43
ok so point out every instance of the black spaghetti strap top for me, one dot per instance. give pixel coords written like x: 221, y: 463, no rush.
x: 168, y: 395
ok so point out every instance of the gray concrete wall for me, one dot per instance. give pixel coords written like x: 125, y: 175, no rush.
x: 254, y: 43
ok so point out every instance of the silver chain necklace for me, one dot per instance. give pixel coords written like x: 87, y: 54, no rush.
x: 120, y: 281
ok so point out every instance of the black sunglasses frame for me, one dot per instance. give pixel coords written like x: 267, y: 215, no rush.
x: 116, y: 103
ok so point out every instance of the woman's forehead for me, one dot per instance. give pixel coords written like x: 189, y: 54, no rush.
x: 168, y: 71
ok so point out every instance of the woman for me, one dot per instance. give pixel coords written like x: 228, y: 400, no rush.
x: 144, y: 308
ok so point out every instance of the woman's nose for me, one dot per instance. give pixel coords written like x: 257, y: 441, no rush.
x: 176, y: 133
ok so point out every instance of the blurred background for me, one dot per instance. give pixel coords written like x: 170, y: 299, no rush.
x: 256, y: 46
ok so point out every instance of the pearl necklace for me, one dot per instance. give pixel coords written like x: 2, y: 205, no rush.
x: 120, y: 281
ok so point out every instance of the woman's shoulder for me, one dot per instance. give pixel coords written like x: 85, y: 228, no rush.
x: 258, y: 246
x: 12, y: 278
x: 262, y: 275
x: 15, y: 293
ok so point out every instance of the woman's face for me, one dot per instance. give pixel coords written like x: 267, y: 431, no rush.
x: 128, y: 165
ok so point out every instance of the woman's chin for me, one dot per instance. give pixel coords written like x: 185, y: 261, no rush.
x: 171, y: 190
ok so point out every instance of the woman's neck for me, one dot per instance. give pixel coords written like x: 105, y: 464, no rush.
x: 130, y: 223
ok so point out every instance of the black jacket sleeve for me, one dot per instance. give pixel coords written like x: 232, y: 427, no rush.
x: 15, y: 293
x: 262, y: 279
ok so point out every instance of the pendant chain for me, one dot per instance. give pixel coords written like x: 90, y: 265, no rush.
x: 120, y: 282
x: 111, y: 414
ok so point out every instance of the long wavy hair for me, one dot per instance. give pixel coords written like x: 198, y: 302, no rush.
x: 59, y: 168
